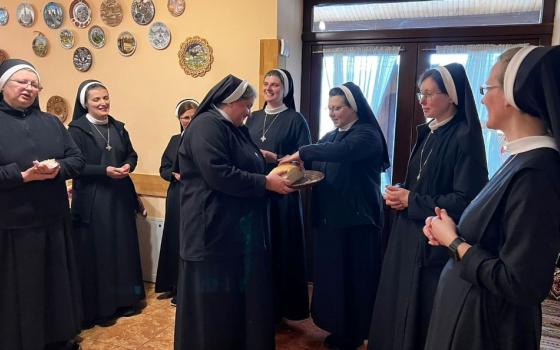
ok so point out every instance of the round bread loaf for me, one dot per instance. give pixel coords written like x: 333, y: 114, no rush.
x: 292, y: 172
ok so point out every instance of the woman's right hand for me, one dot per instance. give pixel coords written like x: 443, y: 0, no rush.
x: 177, y: 176
x: 36, y: 173
x: 276, y: 183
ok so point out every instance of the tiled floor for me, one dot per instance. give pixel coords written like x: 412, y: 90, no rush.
x: 154, y: 327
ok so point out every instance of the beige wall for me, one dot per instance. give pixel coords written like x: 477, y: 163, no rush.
x: 146, y: 86
x: 556, y: 31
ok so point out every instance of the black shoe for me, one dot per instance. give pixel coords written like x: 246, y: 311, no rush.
x: 105, y: 321
x: 63, y: 345
x: 331, y: 341
x: 174, y: 301
x: 166, y: 295
x: 128, y: 311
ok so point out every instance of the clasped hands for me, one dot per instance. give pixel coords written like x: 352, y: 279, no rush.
x: 118, y: 173
x: 440, y: 230
x: 39, y: 172
x: 396, y: 197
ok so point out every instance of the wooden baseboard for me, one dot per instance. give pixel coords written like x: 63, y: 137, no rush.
x: 150, y: 185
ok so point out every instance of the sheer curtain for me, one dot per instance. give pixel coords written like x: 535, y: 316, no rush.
x: 375, y: 70
x: 479, y: 62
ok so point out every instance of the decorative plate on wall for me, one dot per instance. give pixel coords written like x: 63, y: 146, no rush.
x: 96, y: 37
x: 159, y: 36
x: 3, y: 56
x: 143, y: 11
x: 176, y: 7
x: 66, y: 38
x: 80, y: 13
x: 195, y: 56
x: 4, y: 16
x: 58, y: 107
x: 82, y: 59
x: 53, y: 15
x: 126, y: 43
x: 40, y: 45
x: 111, y: 12
x: 25, y: 14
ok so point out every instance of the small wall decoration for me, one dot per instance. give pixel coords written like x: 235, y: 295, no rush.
x: 40, y: 45
x: 96, y: 37
x: 80, y: 13
x: 195, y: 56
x: 3, y: 56
x: 53, y: 15
x: 25, y: 14
x: 4, y: 16
x: 176, y: 7
x: 143, y: 11
x: 126, y: 43
x: 82, y: 59
x: 58, y: 107
x: 111, y: 12
x: 159, y: 36
x: 66, y: 38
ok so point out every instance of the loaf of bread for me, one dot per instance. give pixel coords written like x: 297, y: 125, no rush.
x: 292, y: 172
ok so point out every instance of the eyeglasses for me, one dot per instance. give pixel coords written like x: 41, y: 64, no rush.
x: 484, y: 88
x: 25, y: 83
x: 420, y: 95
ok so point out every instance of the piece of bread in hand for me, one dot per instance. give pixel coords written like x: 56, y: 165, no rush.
x: 292, y: 173
x: 50, y: 163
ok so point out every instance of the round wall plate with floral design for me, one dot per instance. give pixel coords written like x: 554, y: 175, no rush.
x: 4, y: 16
x: 80, y: 13
x: 53, y: 15
x: 58, y: 107
x: 3, y: 56
x: 96, y: 37
x: 176, y: 7
x: 159, y: 36
x: 126, y: 43
x: 25, y: 14
x: 195, y: 56
x: 111, y: 12
x: 143, y: 11
x: 40, y: 45
x: 66, y: 38
x: 82, y: 59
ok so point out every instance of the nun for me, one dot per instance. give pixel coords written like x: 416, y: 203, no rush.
x: 347, y: 217
x: 506, y: 243
x: 224, y: 297
x: 447, y: 168
x: 279, y: 130
x: 103, y: 210
x: 168, y: 262
x: 40, y: 304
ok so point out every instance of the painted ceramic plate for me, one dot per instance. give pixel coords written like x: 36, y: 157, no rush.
x: 25, y: 14
x: 176, y: 7
x: 96, y: 37
x: 3, y: 56
x: 80, y: 13
x: 4, y: 16
x: 82, y: 59
x: 66, y: 38
x: 126, y: 43
x: 195, y: 56
x: 40, y: 45
x: 53, y: 15
x: 58, y: 107
x: 111, y: 12
x: 159, y: 36
x: 310, y: 178
x: 143, y: 11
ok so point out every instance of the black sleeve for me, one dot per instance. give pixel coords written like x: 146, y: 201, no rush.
x: 167, y: 161
x: 10, y: 176
x: 73, y: 162
x: 210, y: 151
x: 522, y: 270
x: 359, y: 144
x: 89, y: 169
x: 303, y: 136
x: 468, y: 179
x: 132, y: 157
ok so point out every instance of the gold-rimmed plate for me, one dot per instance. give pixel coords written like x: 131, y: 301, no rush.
x: 310, y: 178
x: 57, y: 106
x: 80, y: 13
x: 111, y: 12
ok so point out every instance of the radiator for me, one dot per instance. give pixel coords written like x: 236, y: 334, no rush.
x: 150, y: 231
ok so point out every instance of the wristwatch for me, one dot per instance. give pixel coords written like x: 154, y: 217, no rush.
x: 453, y: 248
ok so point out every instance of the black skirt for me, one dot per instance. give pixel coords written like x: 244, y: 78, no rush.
x: 40, y: 295
x: 225, y: 305
x: 168, y: 262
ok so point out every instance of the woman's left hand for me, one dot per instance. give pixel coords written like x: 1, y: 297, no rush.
x: 270, y: 157
x: 441, y: 228
x: 290, y: 158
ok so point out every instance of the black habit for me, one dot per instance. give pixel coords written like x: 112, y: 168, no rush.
x: 40, y: 296
x: 347, y: 218
x: 168, y: 262
x: 103, y: 210
x: 285, y: 133
x: 224, y: 296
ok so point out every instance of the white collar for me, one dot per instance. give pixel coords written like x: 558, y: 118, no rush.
x: 530, y: 143
x: 347, y: 126
x: 224, y: 114
x: 434, y: 124
x: 277, y: 110
x: 97, y: 121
